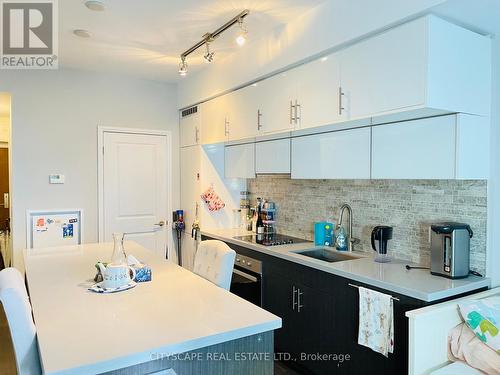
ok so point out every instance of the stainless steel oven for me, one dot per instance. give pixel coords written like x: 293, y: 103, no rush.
x: 247, y: 279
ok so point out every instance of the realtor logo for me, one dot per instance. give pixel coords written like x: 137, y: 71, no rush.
x: 28, y: 34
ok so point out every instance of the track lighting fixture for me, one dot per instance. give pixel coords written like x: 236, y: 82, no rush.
x: 209, y: 37
x: 241, y: 36
x: 183, y: 69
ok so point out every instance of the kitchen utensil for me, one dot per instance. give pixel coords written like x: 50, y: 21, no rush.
x: 116, y: 275
x: 382, y: 234
x: 450, y: 248
x: 100, y: 288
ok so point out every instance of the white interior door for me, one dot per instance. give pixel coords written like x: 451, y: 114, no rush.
x: 134, y: 188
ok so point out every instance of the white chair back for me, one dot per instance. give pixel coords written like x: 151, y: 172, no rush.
x: 16, y: 305
x: 214, y: 261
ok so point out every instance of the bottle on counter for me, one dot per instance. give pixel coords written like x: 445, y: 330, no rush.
x: 254, y: 220
x: 341, y: 241
x: 259, y: 223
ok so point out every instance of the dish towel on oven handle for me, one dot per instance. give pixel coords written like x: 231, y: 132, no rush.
x: 376, y: 321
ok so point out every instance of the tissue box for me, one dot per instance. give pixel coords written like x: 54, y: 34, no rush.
x: 142, y: 273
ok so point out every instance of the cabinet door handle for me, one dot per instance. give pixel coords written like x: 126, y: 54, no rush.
x: 298, y: 108
x: 294, y: 302
x: 259, y: 115
x: 226, y: 127
x: 196, y: 135
x: 341, y: 107
x: 292, y: 107
x: 299, y: 302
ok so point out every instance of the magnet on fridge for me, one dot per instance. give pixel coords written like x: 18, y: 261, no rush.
x: 56, y: 178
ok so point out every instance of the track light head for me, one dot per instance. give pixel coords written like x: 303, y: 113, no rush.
x: 209, y: 56
x: 241, y: 36
x: 183, y: 67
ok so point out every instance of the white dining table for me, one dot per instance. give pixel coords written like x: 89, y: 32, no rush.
x: 82, y: 332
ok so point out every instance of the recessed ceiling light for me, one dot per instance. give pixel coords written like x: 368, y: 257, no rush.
x: 96, y: 5
x: 82, y: 33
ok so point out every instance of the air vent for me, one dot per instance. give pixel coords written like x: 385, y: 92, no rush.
x: 189, y: 111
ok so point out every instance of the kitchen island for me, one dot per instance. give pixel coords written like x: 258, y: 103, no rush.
x: 177, y: 323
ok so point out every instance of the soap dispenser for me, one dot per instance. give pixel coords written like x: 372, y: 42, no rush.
x: 341, y: 242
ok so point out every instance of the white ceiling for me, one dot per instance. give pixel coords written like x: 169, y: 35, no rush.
x: 144, y: 38
x: 4, y: 104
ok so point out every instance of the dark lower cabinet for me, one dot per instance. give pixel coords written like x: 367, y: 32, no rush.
x: 299, y: 306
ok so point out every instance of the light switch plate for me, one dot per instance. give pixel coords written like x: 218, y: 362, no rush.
x: 56, y: 178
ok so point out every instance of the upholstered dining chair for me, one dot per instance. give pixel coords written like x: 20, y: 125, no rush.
x: 17, y: 307
x: 214, y: 261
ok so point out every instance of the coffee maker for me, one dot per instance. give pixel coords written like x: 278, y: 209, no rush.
x: 382, y: 234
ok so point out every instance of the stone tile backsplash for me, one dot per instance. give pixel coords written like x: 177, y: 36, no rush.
x: 407, y: 205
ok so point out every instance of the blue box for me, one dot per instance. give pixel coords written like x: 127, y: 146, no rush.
x: 323, y: 234
x: 142, y: 273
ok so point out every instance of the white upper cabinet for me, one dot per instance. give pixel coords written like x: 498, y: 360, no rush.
x: 215, y: 120
x: 276, y: 98
x: 443, y: 147
x: 318, y: 92
x: 473, y: 147
x: 428, y: 66
x: 239, y: 161
x: 414, y: 149
x: 272, y: 156
x: 337, y: 155
x: 244, y: 114
x: 386, y: 72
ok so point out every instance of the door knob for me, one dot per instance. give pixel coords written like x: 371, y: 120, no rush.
x: 160, y: 224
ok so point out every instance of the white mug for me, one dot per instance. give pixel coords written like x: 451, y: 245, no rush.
x: 117, y: 275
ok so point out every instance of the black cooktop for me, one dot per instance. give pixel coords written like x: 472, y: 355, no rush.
x: 270, y: 239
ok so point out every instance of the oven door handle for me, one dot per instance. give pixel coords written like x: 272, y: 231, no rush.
x: 245, y: 275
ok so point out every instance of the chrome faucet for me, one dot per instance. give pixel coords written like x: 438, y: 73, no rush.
x: 352, y: 240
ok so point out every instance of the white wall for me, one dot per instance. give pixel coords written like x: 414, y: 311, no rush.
x: 54, y: 130
x: 324, y: 27
x: 494, y: 184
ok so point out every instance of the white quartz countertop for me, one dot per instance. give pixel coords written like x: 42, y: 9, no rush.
x: 80, y: 332
x: 391, y: 276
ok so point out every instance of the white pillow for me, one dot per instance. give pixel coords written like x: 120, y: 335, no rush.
x: 483, y: 318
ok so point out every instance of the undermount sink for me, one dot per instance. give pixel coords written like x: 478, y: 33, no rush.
x: 326, y: 255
